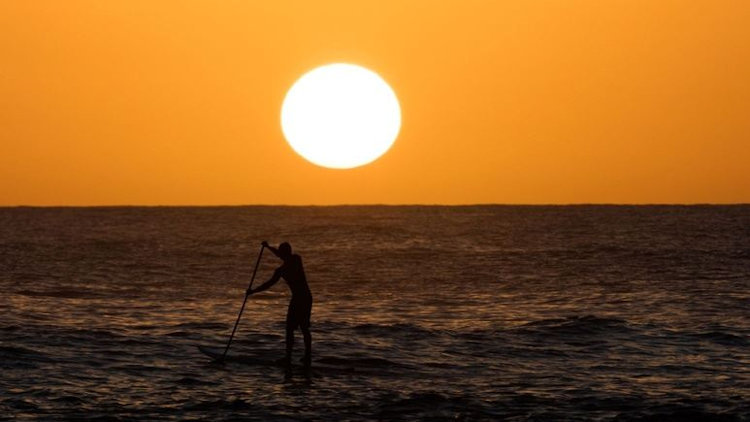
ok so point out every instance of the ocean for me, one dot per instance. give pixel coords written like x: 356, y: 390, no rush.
x: 469, y: 313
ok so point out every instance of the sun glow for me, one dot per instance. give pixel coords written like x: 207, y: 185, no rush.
x: 340, y: 116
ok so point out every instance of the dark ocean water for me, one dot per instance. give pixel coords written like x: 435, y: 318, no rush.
x: 511, y: 313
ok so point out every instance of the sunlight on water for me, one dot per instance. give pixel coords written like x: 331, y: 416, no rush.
x: 473, y: 313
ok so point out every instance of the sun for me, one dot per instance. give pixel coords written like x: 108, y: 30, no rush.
x: 340, y: 116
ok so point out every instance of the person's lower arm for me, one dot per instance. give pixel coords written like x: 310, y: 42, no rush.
x: 262, y: 287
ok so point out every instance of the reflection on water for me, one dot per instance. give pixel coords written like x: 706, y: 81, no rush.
x: 469, y: 313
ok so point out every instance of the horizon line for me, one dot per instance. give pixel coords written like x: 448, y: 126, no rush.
x: 478, y: 204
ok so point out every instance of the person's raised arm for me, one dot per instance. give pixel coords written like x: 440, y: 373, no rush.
x: 265, y: 286
x: 270, y: 248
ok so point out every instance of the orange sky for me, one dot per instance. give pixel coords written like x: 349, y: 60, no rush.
x: 177, y: 102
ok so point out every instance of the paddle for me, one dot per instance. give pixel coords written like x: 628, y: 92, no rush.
x: 255, y: 270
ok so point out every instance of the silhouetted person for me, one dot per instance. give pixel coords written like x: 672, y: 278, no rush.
x: 300, y: 306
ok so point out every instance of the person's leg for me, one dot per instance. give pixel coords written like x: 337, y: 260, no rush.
x: 291, y: 324
x: 305, y: 327
x: 289, y: 343
x: 308, y: 345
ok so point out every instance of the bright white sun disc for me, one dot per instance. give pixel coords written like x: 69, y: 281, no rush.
x: 340, y: 116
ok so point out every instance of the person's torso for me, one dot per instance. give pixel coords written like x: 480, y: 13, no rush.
x: 294, y: 275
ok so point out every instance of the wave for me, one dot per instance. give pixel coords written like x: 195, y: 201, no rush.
x: 180, y: 334
x: 10, y: 328
x: 70, y: 400
x: 201, y: 326
x: 724, y: 339
x: 20, y: 404
x: 680, y: 415
x: 14, y: 352
x: 193, y: 381
x: 138, y: 369
x: 387, y: 329
x: 431, y: 406
x: 235, y: 405
x: 65, y: 294
x: 363, y: 362
x: 575, y: 325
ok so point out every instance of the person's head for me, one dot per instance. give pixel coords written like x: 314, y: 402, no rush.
x: 285, y: 250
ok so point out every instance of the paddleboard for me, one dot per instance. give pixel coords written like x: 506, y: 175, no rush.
x: 216, y: 354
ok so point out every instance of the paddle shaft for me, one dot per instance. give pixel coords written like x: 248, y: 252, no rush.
x: 255, y: 270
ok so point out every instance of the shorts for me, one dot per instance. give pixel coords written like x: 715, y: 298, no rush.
x: 298, y: 313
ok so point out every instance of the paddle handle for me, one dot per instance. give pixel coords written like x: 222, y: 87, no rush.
x: 236, y: 323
